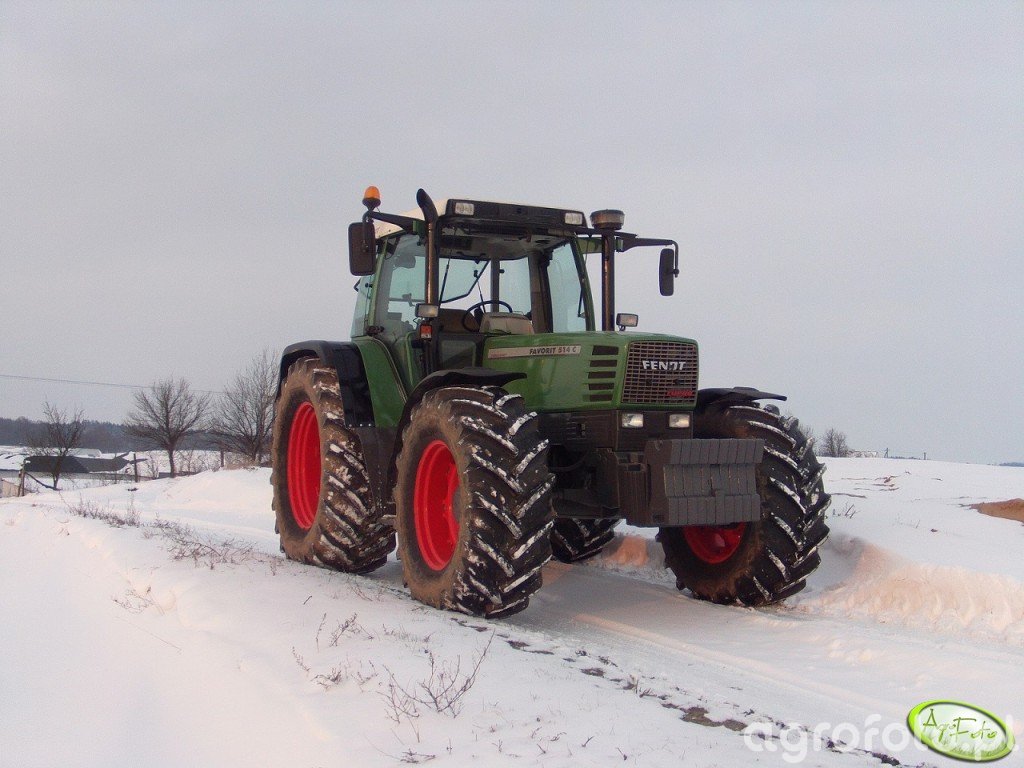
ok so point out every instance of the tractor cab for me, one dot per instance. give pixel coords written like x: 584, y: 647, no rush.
x: 436, y: 286
x: 489, y: 283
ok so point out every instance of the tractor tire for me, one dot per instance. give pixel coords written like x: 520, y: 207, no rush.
x: 325, y: 515
x: 473, y: 501
x: 762, y: 562
x: 574, y: 539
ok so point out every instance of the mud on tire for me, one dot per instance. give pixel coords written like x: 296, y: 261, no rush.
x: 322, y: 499
x: 573, y: 540
x: 473, y: 501
x: 768, y: 560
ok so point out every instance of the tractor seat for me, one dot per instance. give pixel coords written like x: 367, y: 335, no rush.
x: 506, y: 322
x: 450, y: 321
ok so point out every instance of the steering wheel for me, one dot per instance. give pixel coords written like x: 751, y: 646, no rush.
x: 481, y: 305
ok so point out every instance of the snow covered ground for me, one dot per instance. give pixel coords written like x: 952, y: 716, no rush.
x: 157, y: 624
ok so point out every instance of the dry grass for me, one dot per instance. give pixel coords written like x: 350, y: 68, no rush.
x: 104, y: 513
x: 185, y: 543
x: 1011, y: 509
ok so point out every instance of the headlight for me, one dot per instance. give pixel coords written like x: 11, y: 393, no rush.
x: 632, y: 420
x: 679, y: 420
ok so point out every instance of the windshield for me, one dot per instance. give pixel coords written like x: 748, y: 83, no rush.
x: 464, y: 282
x: 537, y: 277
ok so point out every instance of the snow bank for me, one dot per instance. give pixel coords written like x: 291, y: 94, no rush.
x: 889, y: 589
x: 907, y: 548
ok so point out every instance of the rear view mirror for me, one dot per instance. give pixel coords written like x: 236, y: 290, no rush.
x: 362, y: 248
x: 667, y: 272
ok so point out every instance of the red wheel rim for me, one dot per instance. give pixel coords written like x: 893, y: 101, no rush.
x: 714, y: 543
x: 437, y: 530
x: 304, y: 466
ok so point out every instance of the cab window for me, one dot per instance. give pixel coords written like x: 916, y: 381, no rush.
x: 401, y: 283
x: 569, y: 298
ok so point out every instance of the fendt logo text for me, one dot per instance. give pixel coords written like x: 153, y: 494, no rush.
x: 663, y: 365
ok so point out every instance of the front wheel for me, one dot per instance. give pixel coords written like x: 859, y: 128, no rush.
x: 473, y: 501
x: 768, y: 560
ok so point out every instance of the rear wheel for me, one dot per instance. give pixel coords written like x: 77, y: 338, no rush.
x: 325, y: 515
x: 765, y: 561
x: 473, y: 501
x: 573, y: 539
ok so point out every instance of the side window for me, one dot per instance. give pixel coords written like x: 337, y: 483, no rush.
x: 363, y: 290
x: 400, y: 286
x: 569, y: 300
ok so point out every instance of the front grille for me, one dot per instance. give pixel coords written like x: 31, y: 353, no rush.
x: 661, y: 372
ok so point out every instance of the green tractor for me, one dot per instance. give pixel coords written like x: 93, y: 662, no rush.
x: 480, y: 416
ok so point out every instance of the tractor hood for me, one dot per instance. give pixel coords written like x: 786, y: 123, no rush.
x: 598, y: 371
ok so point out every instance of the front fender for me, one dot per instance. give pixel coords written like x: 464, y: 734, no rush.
x: 472, y: 377
x: 716, y: 399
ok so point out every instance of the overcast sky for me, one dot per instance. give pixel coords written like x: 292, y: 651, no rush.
x: 845, y: 179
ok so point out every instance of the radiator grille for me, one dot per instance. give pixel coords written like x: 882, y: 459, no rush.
x: 661, y: 372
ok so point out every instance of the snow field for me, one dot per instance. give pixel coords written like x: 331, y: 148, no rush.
x: 161, y: 626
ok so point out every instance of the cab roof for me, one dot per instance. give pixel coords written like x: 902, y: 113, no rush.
x: 467, y: 209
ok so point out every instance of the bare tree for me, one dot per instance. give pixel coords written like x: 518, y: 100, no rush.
x: 809, y: 433
x: 244, y: 414
x: 833, y: 443
x: 166, y: 414
x: 57, y: 436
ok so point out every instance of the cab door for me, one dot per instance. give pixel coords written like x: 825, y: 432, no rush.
x: 386, y: 309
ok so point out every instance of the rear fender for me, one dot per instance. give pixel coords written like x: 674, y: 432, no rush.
x: 377, y: 443
x: 344, y: 357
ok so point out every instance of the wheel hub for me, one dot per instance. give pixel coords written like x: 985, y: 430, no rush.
x: 304, y: 466
x: 437, y: 480
x: 714, y: 543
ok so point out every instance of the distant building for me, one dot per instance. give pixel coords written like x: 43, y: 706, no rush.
x: 83, y: 464
x: 75, y: 465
